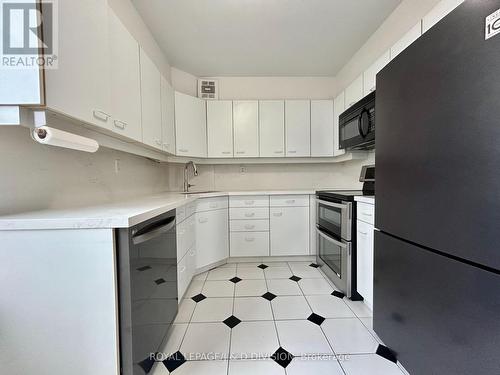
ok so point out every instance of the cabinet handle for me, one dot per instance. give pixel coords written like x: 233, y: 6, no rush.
x: 278, y: 152
x: 252, y: 214
x: 226, y: 152
x: 192, y: 253
x: 292, y: 151
x: 241, y: 152
x: 363, y: 233
x: 183, y: 268
x: 351, y: 104
x: 166, y: 145
x: 249, y: 239
x: 249, y: 226
x: 290, y: 201
x: 249, y: 202
x: 365, y: 214
x: 100, y: 115
x: 158, y: 142
x: 183, y: 150
x: 120, y: 124
x: 202, y: 221
x: 278, y: 214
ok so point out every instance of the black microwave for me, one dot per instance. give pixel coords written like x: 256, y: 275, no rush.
x: 357, y: 125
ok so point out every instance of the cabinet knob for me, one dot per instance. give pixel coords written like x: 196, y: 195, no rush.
x: 363, y: 233
x: 292, y: 151
x: 278, y: 152
x: 226, y: 152
x: 202, y: 221
x: 120, y: 124
x: 241, y: 152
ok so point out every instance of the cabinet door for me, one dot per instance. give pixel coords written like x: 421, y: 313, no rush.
x: 272, y: 128
x: 80, y: 86
x: 298, y: 128
x: 190, y: 126
x: 437, y: 13
x: 289, y: 231
x: 365, y: 261
x: 406, y: 40
x: 321, y: 128
x: 150, y: 102
x: 212, y: 237
x: 167, y: 116
x: 338, y: 109
x: 246, y: 129
x: 354, y: 92
x: 125, y: 80
x: 220, y: 128
x: 369, y: 76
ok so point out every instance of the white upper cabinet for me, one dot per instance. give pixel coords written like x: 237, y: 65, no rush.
x: 354, y: 92
x: 190, y: 126
x: 439, y: 12
x: 338, y: 108
x: 80, y: 86
x: 272, y: 128
x: 321, y: 128
x: 370, y: 74
x: 167, y: 116
x: 411, y: 36
x: 298, y: 128
x: 125, y: 80
x: 220, y: 128
x: 246, y: 128
x: 150, y: 102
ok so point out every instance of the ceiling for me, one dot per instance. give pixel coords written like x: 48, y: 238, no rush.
x: 262, y: 37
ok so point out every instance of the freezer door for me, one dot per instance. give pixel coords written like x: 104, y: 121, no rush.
x: 438, y: 139
x: 441, y: 316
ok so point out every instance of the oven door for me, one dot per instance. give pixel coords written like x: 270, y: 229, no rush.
x: 337, y: 256
x: 335, y: 218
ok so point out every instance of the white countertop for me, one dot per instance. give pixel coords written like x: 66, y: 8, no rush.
x: 365, y: 199
x: 121, y: 214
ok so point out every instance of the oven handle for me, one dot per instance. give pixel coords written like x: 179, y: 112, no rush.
x: 336, y: 205
x: 330, y: 239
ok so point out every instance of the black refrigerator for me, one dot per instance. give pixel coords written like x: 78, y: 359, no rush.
x: 437, y: 244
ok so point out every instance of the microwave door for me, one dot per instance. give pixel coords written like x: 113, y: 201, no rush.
x: 349, y: 133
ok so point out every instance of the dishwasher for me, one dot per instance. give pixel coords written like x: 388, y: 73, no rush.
x: 147, y: 284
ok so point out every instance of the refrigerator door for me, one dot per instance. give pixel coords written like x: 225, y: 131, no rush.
x: 438, y: 139
x: 439, y: 315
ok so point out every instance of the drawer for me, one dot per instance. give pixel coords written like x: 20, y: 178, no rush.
x: 289, y: 200
x: 180, y: 214
x: 249, y: 213
x: 366, y: 212
x: 249, y: 225
x: 249, y: 201
x: 249, y: 244
x: 209, y: 204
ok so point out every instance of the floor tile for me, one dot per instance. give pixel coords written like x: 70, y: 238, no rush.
x: 221, y: 274
x: 202, y: 368
x: 369, y: 364
x: 250, y: 288
x: 273, y: 264
x: 248, y: 264
x: 359, y: 308
x: 250, y: 273
x: 213, y: 310
x: 305, y: 271
x: 306, y: 366
x: 252, y: 308
x: 329, y: 306
x: 255, y: 367
x: 349, y: 336
x: 218, y: 289
x: 201, y: 276
x: 206, y: 338
x: 277, y: 273
x: 254, y: 340
x: 368, y: 323
x: 158, y: 369
x: 174, y: 339
x: 194, y: 288
x: 284, y: 287
x: 315, y: 286
x: 301, y: 337
x: 290, y: 307
x: 185, y: 311
x: 228, y: 265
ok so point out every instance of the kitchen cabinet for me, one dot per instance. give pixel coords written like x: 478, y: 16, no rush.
x: 249, y: 244
x: 437, y: 13
x: 212, y: 237
x: 190, y: 126
x: 80, y: 86
x: 412, y: 35
x: 167, y: 116
x: 272, y: 128
x: 246, y: 128
x: 125, y: 83
x: 298, y: 128
x: 370, y: 74
x: 354, y: 92
x: 150, y: 102
x: 220, y: 128
x: 289, y: 230
x: 338, y: 109
x: 321, y: 128
x: 364, y: 261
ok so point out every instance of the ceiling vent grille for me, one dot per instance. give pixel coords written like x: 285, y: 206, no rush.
x: 208, y: 89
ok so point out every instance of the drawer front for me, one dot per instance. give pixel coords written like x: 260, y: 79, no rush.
x: 249, y: 213
x: 366, y: 212
x: 249, y: 225
x: 180, y: 214
x: 289, y: 201
x: 249, y: 201
x: 210, y: 204
x: 248, y: 244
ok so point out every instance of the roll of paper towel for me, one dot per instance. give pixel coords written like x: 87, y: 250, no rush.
x: 60, y: 138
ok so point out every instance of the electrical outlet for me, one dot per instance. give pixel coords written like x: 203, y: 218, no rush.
x: 243, y: 169
x: 117, y: 166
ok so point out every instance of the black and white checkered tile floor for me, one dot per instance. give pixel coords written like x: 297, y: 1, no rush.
x: 271, y: 318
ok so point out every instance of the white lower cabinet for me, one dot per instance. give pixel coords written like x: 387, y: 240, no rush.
x: 249, y: 244
x: 289, y: 231
x: 211, y: 237
x: 364, y: 261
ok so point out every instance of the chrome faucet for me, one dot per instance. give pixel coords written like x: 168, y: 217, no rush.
x: 187, y: 185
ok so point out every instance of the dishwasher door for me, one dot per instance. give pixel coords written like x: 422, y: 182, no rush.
x: 147, y: 259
